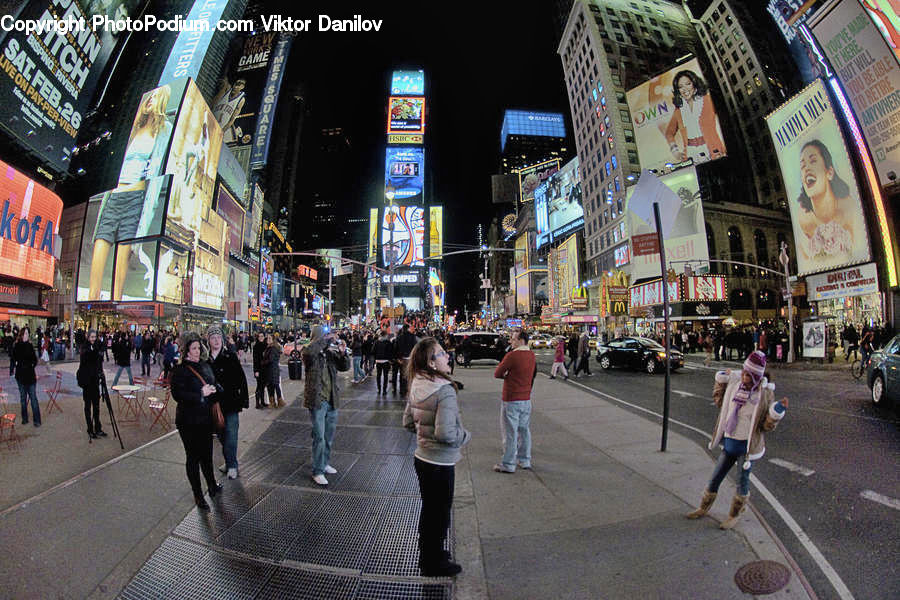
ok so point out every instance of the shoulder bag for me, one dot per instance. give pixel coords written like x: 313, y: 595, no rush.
x: 215, y: 411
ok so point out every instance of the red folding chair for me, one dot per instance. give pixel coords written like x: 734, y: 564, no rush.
x: 160, y: 410
x: 7, y: 423
x: 53, y: 394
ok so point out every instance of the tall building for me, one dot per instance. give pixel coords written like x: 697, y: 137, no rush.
x: 755, y: 78
x: 608, y: 47
x: 283, y: 166
x: 324, y: 168
x: 530, y: 137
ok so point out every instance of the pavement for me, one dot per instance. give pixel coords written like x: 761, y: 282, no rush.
x: 600, y: 515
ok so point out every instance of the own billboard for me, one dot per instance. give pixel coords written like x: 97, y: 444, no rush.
x: 436, y: 231
x: 826, y: 211
x: 557, y: 204
x: 406, y: 114
x: 675, y: 120
x: 50, y: 77
x: 868, y: 68
x: 684, y: 229
x: 231, y: 211
x: 404, y: 173
x: 403, y: 236
x: 532, y: 177
x: 29, y: 227
x: 408, y: 83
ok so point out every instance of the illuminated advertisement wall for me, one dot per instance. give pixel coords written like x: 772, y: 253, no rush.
x: 190, y: 47
x: 236, y: 293
x: 521, y: 257
x: 254, y: 219
x: 408, y: 83
x: 404, y: 173
x: 172, y: 274
x: 408, y: 226
x: 532, y: 177
x: 675, y: 120
x: 567, y: 269
x: 373, y: 232
x: 229, y: 209
x: 236, y: 102
x: 266, y: 118
x: 436, y: 231
x: 684, y: 234
x: 557, y: 204
x: 210, y: 263
x: 266, y: 269
x: 781, y: 11
x: 553, y: 278
x: 868, y: 69
x: 48, y: 80
x: 523, y: 294
x: 530, y: 123
x: 406, y: 114
x: 29, y: 224
x: 826, y: 212
x: 137, y: 285
x: 436, y: 287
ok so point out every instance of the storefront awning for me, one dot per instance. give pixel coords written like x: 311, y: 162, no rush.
x: 6, y: 312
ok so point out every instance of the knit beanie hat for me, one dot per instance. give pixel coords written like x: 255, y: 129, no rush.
x: 755, y: 365
x: 214, y: 330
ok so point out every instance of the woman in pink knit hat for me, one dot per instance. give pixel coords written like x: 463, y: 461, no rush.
x: 747, y: 409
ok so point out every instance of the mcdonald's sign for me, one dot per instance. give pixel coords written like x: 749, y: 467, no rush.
x: 618, y: 307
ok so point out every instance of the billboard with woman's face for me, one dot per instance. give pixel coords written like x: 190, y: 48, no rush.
x: 675, y: 120
x: 826, y: 211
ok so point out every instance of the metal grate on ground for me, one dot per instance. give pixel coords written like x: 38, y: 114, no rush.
x: 300, y: 584
x: 277, y: 466
x: 170, y: 561
x: 236, y: 501
x: 219, y: 576
x: 389, y: 590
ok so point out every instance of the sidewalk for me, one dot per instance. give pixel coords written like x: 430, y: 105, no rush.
x: 803, y: 364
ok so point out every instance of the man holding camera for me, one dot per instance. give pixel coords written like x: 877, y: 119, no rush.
x: 323, y: 358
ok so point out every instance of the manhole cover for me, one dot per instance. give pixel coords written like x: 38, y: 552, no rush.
x: 762, y: 577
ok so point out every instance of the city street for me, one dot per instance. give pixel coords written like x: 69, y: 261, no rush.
x: 832, y: 454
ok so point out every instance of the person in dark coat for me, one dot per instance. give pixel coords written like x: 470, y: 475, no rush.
x: 270, y: 371
x: 384, y: 354
x: 26, y: 360
x: 194, y: 388
x: 122, y: 355
x: 147, y: 348
x: 259, y: 349
x: 234, y: 398
x: 89, y: 369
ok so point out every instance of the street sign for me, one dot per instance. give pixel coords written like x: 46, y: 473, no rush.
x: 485, y: 284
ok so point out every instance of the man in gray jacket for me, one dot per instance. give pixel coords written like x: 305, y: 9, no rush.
x: 325, y: 355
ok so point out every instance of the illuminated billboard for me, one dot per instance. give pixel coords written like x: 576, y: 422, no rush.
x: 137, y: 283
x: 237, y: 100
x: 826, y: 211
x: 28, y: 228
x: 531, y: 123
x: 532, y: 177
x: 266, y: 269
x: 521, y: 256
x: 404, y: 173
x: 684, y: 233
x: 406, y: 114
x: 567, y: 273
x: 523, y: 294
x: 253, y: 228
x: 675, y: 122
x: 406, y: 138
x: 868, y: 69
x: 373, y: 232
x: 233, y: 214
x: 48, y: 79
x: 403, y: 236
x: 408, y: 83
x: 172, y: 275
x: 435, y: 287
x: 190, y: 47
x: 557, y: 204
x: 436, y: 231
x: 266, y: 119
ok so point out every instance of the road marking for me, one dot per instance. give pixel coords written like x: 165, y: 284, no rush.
x: 881, y: 499
x: 837, y: 583
x: 792, y: 467
x: 689, y: 394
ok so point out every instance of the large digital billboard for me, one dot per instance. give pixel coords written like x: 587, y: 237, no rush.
x: 408, y: 83
x: 404, y: 173
x: 406, y: 114
x: 826, y: 211
x: 403, y: 236
x: 236, y: 102
x: 266, y: 119
x: 532, y: 177
x: 567, y: 272
x: 140, y: 267
x: 674, y: 119
x: 49, y: 78
x: 868, y: 69
x: 29, y: 227
x: 557, y: 204
x: 266, y: 269
x: 172, y: 274
x: 436, y: 231
x: 523, y: 294
x: 684, y: 234
x: 233, y: 214
x: 253, y: 228
x: 190, y: 47
x: 531, y: 123
x: 373, y: 232
x: 784, y: 10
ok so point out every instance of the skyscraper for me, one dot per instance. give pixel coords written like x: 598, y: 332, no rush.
x: 530, y: 137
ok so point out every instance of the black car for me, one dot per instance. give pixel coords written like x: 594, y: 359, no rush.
x: 637, y: 353
x: 883, y: 374
x: 476, y: 345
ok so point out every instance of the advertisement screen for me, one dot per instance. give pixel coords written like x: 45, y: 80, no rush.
x: 254, y: 219
x: 172, y: 275
x: 48, y: 79
x: 814, y: 339
x: 266, y: 269
x: 28, y: 228
x: 113, y: 217
x: 403, y: 236
x: 868, y: 69
x: 558, y: 200
x: 373, y: 232
x: 404, y: 173
x: 783, y: 10
x: 523, y: 294
x: 521, y: 256
x: 435, y: 287
x: 229, y: 209
x: 568, y: 276
x: 137, y: 284
x: 531, y: 123
x: 826, y: 212
x: 236, y: 293
x: 532, y: 177
x: 436, y: 231
x: 406, y: 114
x: 675, y: 120
x: 266, y: 118
x: 408, y: 83
x: 210, y: 264
x: 191, y: 45
x: 236, y: 102
x: 685, y: 239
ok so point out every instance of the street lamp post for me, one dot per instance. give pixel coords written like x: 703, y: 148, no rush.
x: 783, y: 257
x: 391, y: 221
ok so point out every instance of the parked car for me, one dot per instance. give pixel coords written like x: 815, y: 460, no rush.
x: 883, y: 373
x: 540, y: 340
x: 476, y: 345
x: 637, y: 353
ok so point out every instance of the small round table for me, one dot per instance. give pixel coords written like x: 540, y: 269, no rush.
x: 134, y: 408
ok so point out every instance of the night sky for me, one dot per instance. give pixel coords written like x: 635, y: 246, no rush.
x: 479, y: 59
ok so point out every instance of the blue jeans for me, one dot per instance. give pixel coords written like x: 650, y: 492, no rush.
x: 229, y: 439
x: 119, y: 372
x: 323, y: 420
x: 733, y: 452
x: 26, y: 390
x: 358, y: 373
x: 515, y: 418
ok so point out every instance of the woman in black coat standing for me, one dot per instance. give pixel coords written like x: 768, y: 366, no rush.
x: 26, y: 359
x: 88, y: 376
x: 194, y: 388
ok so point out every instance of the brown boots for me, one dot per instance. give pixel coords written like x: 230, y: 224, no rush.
x: 738, y: 504
x: 705, y: 504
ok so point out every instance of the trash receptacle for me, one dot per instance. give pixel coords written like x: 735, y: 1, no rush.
x: 295, y: 369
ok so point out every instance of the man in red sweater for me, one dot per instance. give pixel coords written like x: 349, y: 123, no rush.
x: 517, y: 370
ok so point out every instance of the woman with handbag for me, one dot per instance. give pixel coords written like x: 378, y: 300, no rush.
x: 194, y: 388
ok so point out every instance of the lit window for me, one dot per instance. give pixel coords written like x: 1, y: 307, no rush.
x: 756, y: 80
x: 607, y: 168
x: 603, y: 101
x: 595, y: 95
x: 618, y: 188
x: 615, y: 163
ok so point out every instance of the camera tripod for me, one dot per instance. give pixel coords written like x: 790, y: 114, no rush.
x: 104, y: 394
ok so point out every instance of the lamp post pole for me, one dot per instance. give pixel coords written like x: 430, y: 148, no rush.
x: 783, y: 257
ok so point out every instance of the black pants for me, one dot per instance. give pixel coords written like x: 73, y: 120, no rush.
x: 91, y: 395
x: 381, y: 376
x: 395, y: 369
x: 404, y: 383
x: 198, y: 450
x: 436, y: 489
x: 260, y: 391
x: 583, y: 364
x: 274, y: 388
